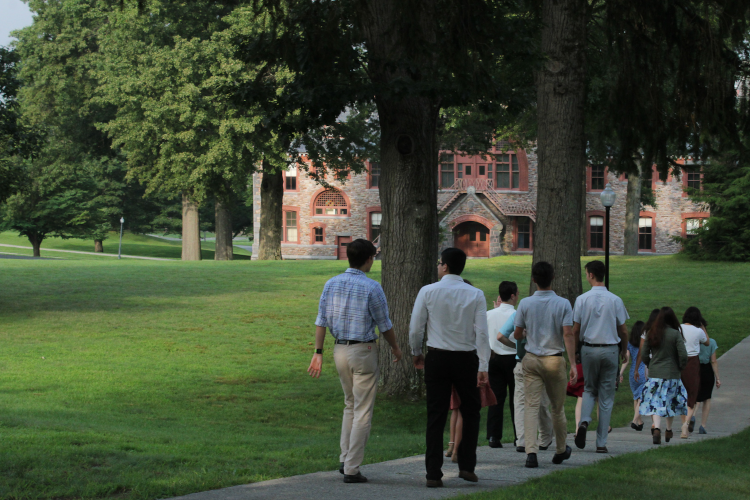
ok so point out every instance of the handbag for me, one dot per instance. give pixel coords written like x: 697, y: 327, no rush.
x: 487, y: 396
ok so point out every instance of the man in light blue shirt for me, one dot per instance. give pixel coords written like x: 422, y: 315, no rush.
x: 546, y: 433
x: 351, y: 305
x: 599, y: 319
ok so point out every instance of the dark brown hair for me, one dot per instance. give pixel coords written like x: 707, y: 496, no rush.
x: 650, y: 321
x: 666, y: 318
x: 635, y: 334
x: 694, y: 317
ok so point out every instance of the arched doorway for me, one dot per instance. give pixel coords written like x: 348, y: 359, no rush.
x: 473, y: 238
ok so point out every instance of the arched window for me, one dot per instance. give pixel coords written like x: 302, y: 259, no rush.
x: 331, y: 203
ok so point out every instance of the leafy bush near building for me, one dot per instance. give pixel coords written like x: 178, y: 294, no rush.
x: 726, y: 192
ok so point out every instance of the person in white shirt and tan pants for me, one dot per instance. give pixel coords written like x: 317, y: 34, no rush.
x: 454, y: 316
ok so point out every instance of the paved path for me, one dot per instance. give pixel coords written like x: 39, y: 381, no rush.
x: 21, y: 257
x: 99, y: 254
x: 404, y: 478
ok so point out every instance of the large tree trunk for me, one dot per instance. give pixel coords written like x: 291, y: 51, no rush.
x: 98, y: 246
x: 191, y: 237
x: 632, y: 212
x: 224, y: 249
x: 271, y: 200
x: 560, y: 100
x: 409, y: 237
x: 36, y: 244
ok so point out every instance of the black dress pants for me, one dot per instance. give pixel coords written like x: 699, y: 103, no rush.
x: 503, y: 384
x: 442, y: 370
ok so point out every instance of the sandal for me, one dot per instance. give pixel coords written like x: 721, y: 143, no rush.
x: 685, y: 434
x: 449, y: 453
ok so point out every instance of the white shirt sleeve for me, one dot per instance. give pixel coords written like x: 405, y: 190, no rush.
x: 418, y: 323
x: 480, y: 330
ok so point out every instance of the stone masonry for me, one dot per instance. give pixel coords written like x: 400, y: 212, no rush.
x: 471, y: 204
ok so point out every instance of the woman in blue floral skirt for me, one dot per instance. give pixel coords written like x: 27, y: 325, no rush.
x: 664, y: 353
x: 636, y: 383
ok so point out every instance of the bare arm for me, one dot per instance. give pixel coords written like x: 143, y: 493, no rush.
x: 390, y: 337
x: 316, y: 365
x: 623, y: 331
x: 625, y: 364
x: 518, y: 333
x: 715, y: 366
x: 570, y: 347
x: 708, y: 339
x: 505, y: 340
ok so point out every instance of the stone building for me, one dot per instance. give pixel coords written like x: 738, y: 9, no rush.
x: 487, y: 207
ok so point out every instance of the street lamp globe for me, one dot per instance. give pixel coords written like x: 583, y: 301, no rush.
x: 608, y: 196
x: 122, y: 220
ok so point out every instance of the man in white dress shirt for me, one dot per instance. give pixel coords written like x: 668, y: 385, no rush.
x: 502, y: 363
x: 454, y: 315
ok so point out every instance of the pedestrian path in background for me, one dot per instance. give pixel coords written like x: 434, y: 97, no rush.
x: 99, y: 254
x: 499, y: 467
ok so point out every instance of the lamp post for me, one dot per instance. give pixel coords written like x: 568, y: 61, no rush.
x: 119, y: 250
x: 608, y: 199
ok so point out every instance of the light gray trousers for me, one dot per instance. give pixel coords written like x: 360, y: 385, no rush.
x: 600, y: 372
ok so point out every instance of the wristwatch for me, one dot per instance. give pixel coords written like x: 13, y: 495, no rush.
x: 318, y: 351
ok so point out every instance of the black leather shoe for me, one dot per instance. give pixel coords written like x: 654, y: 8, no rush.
x: 341, y: 467
x: 545, y: 448
x: 495, y: 443
x: 580, y: 439
x: 602, y: 449
x: 355, y: 478
x: 559, y: 457
x: 521, y: 449
x: 434, y: 483
x: 531, y: 461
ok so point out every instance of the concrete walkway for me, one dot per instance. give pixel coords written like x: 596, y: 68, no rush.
x: 404, y: 478
x: 98, y: 254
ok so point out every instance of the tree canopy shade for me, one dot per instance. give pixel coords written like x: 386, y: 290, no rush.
x: 662, y: 79
x: 411, y: 58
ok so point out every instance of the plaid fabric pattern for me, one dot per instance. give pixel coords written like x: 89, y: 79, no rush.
x: 352, y: 305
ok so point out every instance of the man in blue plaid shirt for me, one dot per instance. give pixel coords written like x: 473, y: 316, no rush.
x: 351, y: 306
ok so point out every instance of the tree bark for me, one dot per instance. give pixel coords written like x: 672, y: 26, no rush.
x: 561, y: 97
x: 409, y: 237
x: 36, y: 244
x: 224, y: 248
x: 98, y: 246
x: 632, y: 212
x: 191, y: 237
x: 271, y: 200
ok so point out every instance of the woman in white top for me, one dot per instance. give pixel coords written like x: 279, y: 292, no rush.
x: 694, y: 333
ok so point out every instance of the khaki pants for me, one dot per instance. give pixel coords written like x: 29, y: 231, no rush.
x: 357, y: 365
x: 544, y: 374
x: 546, y: 434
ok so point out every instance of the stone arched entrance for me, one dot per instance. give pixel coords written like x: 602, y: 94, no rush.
x: 473, y: 238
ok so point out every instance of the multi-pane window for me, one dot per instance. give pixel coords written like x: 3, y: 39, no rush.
x: 331, y: 202
x: 596, y: 232
x: 597, y: 177
x: 318, y: 233
x: 645, y: 233
x: 467, y: 169
x: 289, y: 228
x: 507, y: 172
x: 523, y: 230
x: 447, y: 172
x: 460, y: 170
x: 375, y: 219
x: 291, y: 179
x: 374, y: 175
x: 482, y: 169
x: 693, y: 178
x: 691, y: 227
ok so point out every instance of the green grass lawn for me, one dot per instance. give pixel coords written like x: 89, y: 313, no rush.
x: 715, y: 469
x: 148, y: 379
x: 132, y: 244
